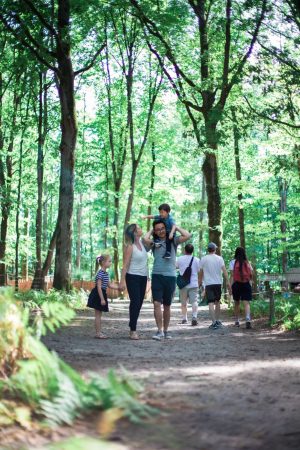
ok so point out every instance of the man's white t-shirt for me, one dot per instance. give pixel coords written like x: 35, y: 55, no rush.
x: 183, y: 262
x: 212, y: 265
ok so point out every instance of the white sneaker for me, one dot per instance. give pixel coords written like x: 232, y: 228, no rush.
x: 167, y: 335
x: 158, y: 336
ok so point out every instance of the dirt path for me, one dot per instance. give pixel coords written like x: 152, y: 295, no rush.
x: 225, y: 389
x: 220, y: 389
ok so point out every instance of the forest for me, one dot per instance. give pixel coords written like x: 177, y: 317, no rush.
x: 108, y: 109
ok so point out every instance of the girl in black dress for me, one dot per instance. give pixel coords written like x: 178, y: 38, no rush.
x: 98, y: 296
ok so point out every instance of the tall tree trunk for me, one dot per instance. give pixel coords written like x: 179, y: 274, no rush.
x: 78, y: 240
x: 115, y: 240
x: 92, y: 256
x: 62, y: 272
x: 18, y: 203
x: 152, y: 180
x: 49, y: 256
x: 5, y: 182
x: 18, y: 214
x: 38, y: 282
x: 238, y: 175
x: 24, y: 264
x: 45, y: 225
x: 283, y: 187
x: 214, y: 209
x: 134, y: 167
x: 106, y: 203
x: 211, y: 174
x: 201, y: 218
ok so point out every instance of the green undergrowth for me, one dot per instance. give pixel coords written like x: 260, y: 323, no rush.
x: 37, y: 386
x: 75, y: 299
x: 287, y: 311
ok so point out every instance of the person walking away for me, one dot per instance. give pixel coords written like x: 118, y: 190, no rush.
x: 163, y: 281
x: 164, y: 215
x: 240, y: 279
x: 212, y: 267
x: 135, y: 273
x: 189, y: 293
x: 98, y: 295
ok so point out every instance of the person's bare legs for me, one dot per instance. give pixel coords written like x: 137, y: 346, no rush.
x: 166, y: 317
x: 184, y: 311
x: 247, y: 310
x: 98, y: 315
x: 211, y: 307
x: 158, y: 315
x: 237, y: 310
x: 217, y: 310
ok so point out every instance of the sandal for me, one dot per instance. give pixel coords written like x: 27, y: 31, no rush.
x: 101, y: 336
x: 134, y: 336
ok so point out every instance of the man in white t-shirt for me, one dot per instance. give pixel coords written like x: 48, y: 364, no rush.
x: 211, y: 268
x: 190, y: 291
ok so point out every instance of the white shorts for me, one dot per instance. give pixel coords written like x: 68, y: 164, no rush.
x: 188, y: 294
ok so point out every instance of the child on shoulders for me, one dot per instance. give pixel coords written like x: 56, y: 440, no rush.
x: 164, y: 214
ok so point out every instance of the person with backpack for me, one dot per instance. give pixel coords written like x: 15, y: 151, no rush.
x: 240, y: 277
x: 212, y: 267
x: 189, y: 267
x: 163, y: 280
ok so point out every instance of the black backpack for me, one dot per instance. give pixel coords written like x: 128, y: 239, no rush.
x: 188, y: 271
x: 184, y: 279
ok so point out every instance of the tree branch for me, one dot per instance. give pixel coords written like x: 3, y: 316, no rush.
x: 41, y: 17
x: 92, y: 62
x: 274, y: 52
x: 180, y: 95
x: 26, y: 44
x: 271, y: 119
x: 226, y: 54
x: 152, y: 28
x: 242, y: 63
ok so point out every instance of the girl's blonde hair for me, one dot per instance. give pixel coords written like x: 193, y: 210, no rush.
x: 100, y: 260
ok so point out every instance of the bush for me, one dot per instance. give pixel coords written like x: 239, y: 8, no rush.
x: 75, y: 299
x: 37, y: 383
x: 287, y: 311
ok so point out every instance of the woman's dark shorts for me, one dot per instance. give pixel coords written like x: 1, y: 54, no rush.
x: 213, y: 293
x: 241, y: 291
x: 163, y: 288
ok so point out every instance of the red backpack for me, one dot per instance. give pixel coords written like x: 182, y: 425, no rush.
x: 246, y: 272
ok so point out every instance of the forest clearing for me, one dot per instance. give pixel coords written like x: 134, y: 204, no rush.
x: 149, y: 149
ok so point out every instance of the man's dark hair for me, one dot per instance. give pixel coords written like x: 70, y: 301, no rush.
x: 164, y: 207
x: 189, y: 248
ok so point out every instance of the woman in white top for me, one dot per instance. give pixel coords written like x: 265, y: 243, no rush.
x: 135, y: 272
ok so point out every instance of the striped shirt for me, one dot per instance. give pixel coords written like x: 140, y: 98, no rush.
x: 104, y: 277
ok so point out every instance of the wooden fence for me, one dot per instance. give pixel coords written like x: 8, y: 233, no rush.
x: 25, y: 285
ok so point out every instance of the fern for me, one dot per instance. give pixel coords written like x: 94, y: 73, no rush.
x: 64, y: 406
x: 43, y: 382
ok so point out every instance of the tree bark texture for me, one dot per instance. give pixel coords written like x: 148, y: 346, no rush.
x: 283, y: 187
x: 6, y: 173
x: 38, y: 281
x: 78, y: 237
x: 62, y: 272
x: 238, y: 175
x: 24, y: 263
x: 152, y: 181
